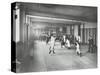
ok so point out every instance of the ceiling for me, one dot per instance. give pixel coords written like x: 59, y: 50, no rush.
x: 79, y: 13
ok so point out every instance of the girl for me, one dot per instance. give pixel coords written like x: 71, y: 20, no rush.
x: 52, y: 43
x: 63, y: 41
x: 68, y: 43
x: 78, y: 49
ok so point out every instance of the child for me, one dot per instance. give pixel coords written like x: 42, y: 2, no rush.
x: 52, y: 43
x: 78, y: 49
x: 63, y: 41
x: 68, y: 43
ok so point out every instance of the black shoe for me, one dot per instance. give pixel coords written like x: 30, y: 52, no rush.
x: 68, y: 47
x: 49, y: 52
x: 53, y: 52
x: 77, y: 53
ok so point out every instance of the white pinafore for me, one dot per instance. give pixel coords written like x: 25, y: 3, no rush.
x: 52, y: 43
x: 77, y: 48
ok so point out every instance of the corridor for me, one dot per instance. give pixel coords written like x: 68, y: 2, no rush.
x: 36, y: 24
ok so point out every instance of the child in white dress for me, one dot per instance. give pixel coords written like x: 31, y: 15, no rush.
x: 68, y: 43
x: 78, y: 49
x: 52, y: 43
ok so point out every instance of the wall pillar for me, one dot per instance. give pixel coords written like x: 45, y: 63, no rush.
x: 83, y: 33
x: 76, y: 30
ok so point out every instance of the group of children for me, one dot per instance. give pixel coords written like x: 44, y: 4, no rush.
x: 64, y: 43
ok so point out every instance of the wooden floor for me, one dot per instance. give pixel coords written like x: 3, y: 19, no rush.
x: 64, y: 59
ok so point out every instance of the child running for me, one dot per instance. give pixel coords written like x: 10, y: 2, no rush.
x: 78, y: 49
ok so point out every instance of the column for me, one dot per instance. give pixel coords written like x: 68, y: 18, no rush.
x: 76, y: 30
x: 16, y: 25
x: 83, y: 33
